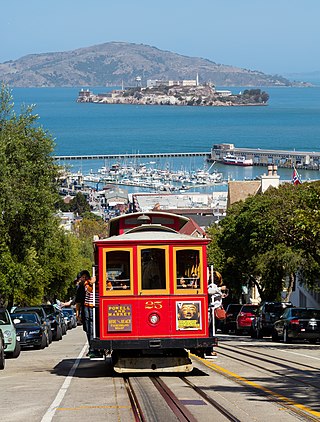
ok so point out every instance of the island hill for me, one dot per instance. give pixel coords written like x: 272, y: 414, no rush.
x: 185, y: 93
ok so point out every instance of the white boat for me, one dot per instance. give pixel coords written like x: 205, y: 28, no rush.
x: 237, y: 160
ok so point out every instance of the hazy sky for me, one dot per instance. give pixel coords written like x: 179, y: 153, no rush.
x: 273, y: 36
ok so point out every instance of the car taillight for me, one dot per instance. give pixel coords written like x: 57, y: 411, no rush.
x: 294, y: 322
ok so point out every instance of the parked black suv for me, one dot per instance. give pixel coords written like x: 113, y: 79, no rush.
x: 266, y: 315
x: 229, y: 324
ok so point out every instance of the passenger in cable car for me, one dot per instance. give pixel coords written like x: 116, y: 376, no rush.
x: 194, y: 281
x: 182, y: 282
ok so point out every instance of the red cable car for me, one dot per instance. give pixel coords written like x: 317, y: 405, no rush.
x: 153, y: 293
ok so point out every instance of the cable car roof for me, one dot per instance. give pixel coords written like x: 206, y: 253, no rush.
x: 154, y: 233
x: 127, y: 222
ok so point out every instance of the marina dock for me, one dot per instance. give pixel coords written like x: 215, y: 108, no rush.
x: 260, y: 157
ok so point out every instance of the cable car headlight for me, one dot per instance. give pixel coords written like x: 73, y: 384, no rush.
x: 154, y: 319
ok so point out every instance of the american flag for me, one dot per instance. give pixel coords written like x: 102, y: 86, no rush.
x: 296, y: 179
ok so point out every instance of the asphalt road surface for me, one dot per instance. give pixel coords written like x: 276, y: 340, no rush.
x: 255, y: 380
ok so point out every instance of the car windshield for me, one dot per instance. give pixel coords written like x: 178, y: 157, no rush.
x: 24, y: 318
x: 251, y: 309
x: 306, y: 313
x: 234, y: 308
x: 38, y: 311
x: 49, y: 309
x: 275, y: 308
x: 4, y: 319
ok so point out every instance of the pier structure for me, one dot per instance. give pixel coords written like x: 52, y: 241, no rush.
x: 131, y: 156
x: 265, y: 157
x: 260, y: 157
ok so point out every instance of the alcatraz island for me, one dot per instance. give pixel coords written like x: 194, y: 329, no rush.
x: 179, y: 93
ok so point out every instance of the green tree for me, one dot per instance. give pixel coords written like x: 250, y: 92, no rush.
x: 269, y: 238
x: 35, y: 253
x: 79, y: 204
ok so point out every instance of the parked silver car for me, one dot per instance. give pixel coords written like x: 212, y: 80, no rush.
x: 2, y: 357
x: 11, y: 341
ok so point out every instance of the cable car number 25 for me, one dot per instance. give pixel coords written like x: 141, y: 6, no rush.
x: 153, y: 304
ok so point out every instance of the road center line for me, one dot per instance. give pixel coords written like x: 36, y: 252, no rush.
x: 48, y: 416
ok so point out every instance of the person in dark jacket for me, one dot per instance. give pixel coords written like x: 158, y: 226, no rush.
x: 80, y: 297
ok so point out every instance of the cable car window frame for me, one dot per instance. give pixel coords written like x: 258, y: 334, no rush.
x: 116, y: 292
x: 188, y: 290
x: 166, y: 290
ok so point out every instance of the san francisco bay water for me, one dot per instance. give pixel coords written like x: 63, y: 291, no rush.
x: 290, y: 121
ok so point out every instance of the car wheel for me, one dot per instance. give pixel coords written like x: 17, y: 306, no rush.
x: 58, y: 335
x: 253, y: 333
x: 225, y: 330
x: 259, y: 333
x: 274, y: 335
x: 64, y: 330
x: 44, y: 342
x: 2, y: 359
x: 50, y: 336
x: 16, y: 351
x: 286, y: 338
x: 312, y: 340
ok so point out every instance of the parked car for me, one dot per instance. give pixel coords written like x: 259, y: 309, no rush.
x: 2, y: 356
x: 245, y: 317
x: 56, y: 321
x: 45, y: 320
x: 230, y: 323
x: 297, y: 323
x: 31, y: 331
x: 12, y: 345
x: 265, y: 317
x: 70, y: 317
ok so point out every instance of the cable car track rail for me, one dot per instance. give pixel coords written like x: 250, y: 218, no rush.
x: 271, y: 360
x: 259, y: 353
x: 210, y: 400
x: 176, y: 405
x: 300, y: 409
x: 136, y: 408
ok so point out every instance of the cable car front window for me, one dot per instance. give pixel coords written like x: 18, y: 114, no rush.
x: 188, y: 269
x: 153, y: 269
x: 118, y: 270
